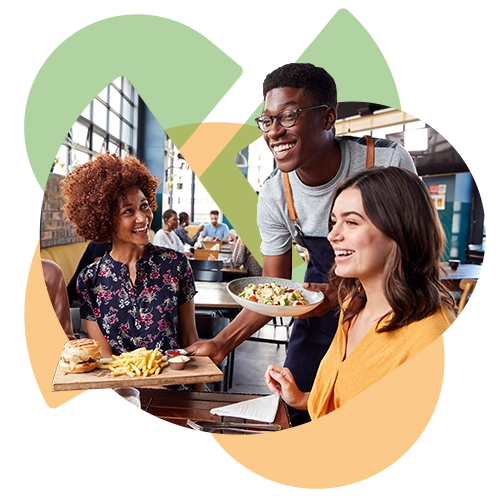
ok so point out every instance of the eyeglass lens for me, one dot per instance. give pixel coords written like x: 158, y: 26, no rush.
x: 286, y: 118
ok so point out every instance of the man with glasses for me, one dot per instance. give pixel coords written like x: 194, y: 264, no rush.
x: 298, y: 122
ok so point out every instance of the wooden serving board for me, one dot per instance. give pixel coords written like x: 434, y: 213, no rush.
x: 198, y: 369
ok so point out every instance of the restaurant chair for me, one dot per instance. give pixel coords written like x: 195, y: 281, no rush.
x: 207, y: 275
x: 207, y: 270
x: 209, y: 327
x: 474, y: 254
x: 467, y: 286
x: 206, y: 265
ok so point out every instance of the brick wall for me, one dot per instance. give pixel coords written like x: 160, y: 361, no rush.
x: 54, y: 228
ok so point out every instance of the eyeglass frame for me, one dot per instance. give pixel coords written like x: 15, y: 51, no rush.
x: 295, y: 111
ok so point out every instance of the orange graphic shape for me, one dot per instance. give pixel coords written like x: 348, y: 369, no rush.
x: 206, y: 143
x: 45, y: 336
x: 358, y: 440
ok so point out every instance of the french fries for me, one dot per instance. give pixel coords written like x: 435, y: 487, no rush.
x: 139, y: 363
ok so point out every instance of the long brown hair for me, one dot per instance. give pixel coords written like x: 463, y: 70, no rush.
x: 398, y: 203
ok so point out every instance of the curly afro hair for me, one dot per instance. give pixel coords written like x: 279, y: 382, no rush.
x: 315, y: 81
x: 92, y: 192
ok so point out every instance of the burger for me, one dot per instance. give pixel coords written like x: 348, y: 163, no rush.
x: 80, y: 356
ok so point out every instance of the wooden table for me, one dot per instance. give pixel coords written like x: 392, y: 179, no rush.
x: 232, y: 273
x: 178, y: 406
x: 214, y: 295
x: 234, y: 270
x: 464, y: 271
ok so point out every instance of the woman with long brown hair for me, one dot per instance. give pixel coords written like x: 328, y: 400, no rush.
x: 388, y: 240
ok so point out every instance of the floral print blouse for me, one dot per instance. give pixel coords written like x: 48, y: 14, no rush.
x: 145, y: 314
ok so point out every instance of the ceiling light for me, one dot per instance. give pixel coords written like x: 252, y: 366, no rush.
x: 240, y: 161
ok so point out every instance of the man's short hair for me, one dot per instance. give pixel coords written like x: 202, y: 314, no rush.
x: 214, y: 212
x: 315, y: 81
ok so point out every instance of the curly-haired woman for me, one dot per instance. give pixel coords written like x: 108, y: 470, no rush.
x: 387, y: 240
x: 137, y: 295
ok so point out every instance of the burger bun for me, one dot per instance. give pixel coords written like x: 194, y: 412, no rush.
x: 80, y: 356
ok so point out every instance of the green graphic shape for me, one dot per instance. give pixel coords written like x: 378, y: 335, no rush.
x: 347, y: 51
x: 179, y: 74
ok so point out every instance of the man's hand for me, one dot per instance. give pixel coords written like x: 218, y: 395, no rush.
x: 329, y: 302
x: 210, y: 348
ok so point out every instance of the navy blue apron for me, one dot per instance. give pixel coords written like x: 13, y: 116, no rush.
x: 311, y: 337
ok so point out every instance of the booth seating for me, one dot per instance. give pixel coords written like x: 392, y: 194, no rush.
x: 66, y: 257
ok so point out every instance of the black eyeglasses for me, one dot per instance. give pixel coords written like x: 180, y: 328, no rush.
x: 286, y: 118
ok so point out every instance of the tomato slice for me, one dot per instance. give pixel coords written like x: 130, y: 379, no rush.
x: 253, y: 298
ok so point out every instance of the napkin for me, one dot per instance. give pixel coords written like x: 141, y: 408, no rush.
x: 215, y: 247
x: 261, y: 409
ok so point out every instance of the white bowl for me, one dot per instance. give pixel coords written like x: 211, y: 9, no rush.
x: 313, y: 299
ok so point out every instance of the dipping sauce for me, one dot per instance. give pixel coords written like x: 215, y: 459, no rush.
x: 179, y: 359
x: 178, y: 362
x: 177, y: 352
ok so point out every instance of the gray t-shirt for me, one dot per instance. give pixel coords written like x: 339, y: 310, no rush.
x: 313, y: 204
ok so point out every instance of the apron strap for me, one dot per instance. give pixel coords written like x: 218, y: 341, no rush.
x: 370, y: 161
x: 370, y: 151
x: 289, y: 197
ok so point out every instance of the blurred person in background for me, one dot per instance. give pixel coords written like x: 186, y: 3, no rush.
x: 215, y: 230
x: 182, y: 233
x: 167, y: 237
x: 56, y: 288
x: 241, y: 256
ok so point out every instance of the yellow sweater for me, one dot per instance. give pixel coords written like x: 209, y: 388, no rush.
x: 339, y: 379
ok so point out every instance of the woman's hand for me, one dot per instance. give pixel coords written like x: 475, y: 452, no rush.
x: 281, y: 381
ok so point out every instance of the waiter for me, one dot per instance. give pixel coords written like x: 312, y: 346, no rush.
x: 300, y: 109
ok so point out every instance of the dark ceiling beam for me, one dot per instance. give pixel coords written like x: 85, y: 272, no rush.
x: 441, y: 168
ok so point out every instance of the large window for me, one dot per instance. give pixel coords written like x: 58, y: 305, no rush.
x: 183, y: 191
x: 109, y: 122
